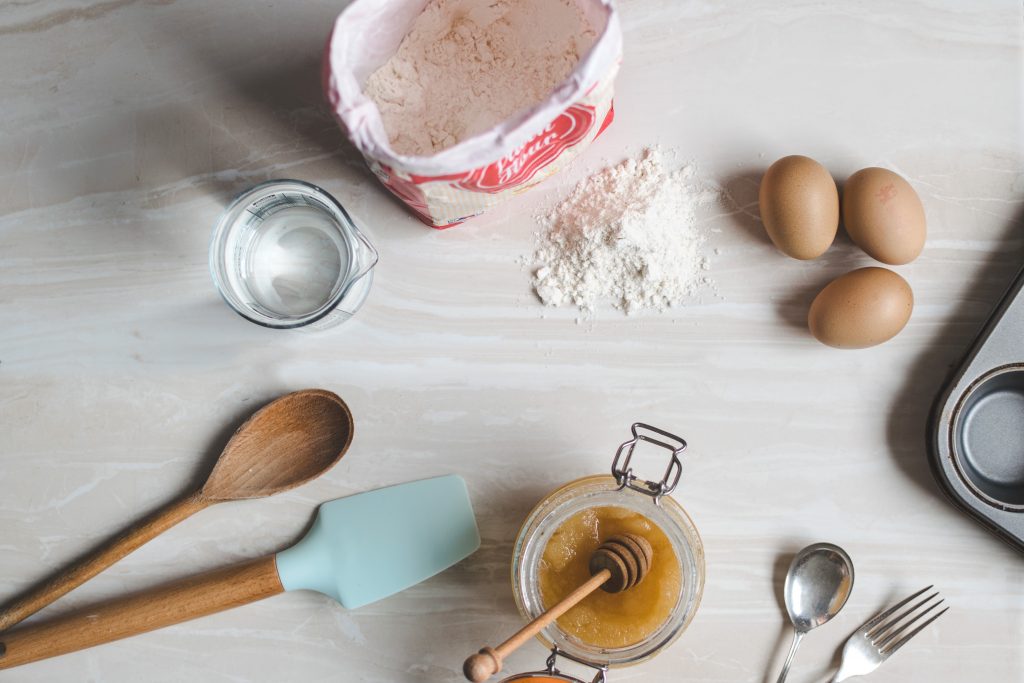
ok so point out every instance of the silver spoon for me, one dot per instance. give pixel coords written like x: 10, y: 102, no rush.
x: 817, y: 585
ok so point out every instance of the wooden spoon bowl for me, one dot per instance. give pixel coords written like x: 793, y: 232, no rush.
x: 283, y: 445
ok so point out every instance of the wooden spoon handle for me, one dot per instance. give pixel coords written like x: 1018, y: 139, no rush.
x: 488, y: 661
x: 91, y: 565
x: 151, y: 609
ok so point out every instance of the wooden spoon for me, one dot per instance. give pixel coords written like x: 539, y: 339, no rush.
x: 617, y: 565
x: 284, y: 444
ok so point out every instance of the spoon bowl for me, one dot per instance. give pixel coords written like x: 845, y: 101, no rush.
x: 283, y: 445
x: 818, y: 584
x: 819, y: 581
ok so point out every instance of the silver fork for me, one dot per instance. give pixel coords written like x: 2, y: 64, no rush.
x: 882, y: 635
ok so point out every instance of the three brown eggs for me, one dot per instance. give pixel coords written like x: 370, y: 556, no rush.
x: 800, y: 208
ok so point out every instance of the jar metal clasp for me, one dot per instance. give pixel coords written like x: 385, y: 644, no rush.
x: 623, y: 472
x: 600, y: 677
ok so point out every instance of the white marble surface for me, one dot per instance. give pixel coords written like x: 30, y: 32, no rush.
x: 125, y: 124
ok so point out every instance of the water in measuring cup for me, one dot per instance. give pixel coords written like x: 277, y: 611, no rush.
x: 297, y: 260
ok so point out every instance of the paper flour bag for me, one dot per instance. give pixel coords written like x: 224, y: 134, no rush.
x: 446, y: 187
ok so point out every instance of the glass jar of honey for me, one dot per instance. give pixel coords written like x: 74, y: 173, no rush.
x: 554, y: 545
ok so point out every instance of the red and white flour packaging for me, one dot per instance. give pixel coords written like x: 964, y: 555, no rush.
x: 462, y: 181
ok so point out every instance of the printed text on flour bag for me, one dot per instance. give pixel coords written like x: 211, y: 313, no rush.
x: 468, y: 194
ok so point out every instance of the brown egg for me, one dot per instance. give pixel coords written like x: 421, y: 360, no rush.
x: 799, y: 206
x: 862, y: 308
x: 884, y: 215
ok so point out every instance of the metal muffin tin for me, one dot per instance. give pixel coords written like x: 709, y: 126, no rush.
x: 977, y: 424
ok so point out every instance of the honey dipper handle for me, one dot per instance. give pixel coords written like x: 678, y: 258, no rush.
x: 173, y: 603
x: 488, y: 661
x: 97, y: 561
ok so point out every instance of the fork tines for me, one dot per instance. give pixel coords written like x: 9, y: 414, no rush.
x: 886, y: 632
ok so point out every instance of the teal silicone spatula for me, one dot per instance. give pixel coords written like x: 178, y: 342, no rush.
x: 360, y: 549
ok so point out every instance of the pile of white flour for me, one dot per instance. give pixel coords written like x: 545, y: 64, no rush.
x: 628, y: 235
x: 467, y: 65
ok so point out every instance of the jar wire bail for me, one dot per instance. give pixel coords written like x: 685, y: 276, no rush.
x: 602, y: 670
x: 623, y: 472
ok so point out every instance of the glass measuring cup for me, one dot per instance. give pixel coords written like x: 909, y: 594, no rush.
x: 285, y: 254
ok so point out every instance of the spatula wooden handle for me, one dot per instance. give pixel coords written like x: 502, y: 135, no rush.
x: 93, y: 564
x: 151, y: 609
x: 488, y: 661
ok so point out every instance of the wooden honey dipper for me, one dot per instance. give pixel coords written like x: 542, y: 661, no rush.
x: 618, y: 564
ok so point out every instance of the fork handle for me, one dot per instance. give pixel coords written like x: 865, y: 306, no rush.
x: 797, y: 637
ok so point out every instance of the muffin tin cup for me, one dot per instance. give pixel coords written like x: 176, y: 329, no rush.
x: 977, y: 425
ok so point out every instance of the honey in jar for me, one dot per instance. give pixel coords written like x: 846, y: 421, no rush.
x: 609, y: 620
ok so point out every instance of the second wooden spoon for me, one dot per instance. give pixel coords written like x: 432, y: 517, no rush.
x: 284, y: 444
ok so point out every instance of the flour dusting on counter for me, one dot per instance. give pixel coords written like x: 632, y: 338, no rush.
x: 465, y: 66
x: 629, y: 235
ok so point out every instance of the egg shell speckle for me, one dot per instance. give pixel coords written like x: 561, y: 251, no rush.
x: 884, y: 216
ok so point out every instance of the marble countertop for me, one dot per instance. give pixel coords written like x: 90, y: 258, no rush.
x: 125, y: 127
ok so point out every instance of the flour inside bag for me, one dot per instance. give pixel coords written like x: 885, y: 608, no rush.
x: 458, y: 105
